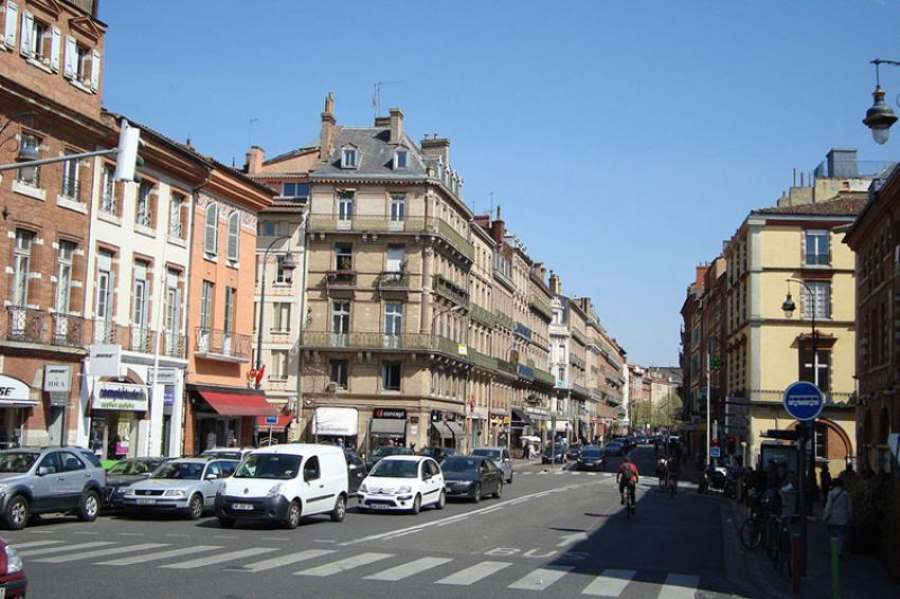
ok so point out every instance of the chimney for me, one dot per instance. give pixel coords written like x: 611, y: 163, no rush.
x: 498, y: 230
x: 842, y: 163
x: 255, y: 158
x: 555, y: 283
x: 397, y: 126
x: 700, y: 275
x: 436, y: 147
x: 326, y: 136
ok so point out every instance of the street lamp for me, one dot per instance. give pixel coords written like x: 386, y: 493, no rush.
x: 880, y: 117
x: 287, y: 265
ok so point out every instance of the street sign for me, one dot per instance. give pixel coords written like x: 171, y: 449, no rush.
x: 271, y: 420
x: 803, y: 401
x: 162, y: 376
x: 715, y: 452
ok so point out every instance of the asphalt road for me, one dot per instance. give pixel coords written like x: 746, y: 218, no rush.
x: 561, y: 533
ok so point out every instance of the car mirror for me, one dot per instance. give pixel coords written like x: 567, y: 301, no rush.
x: 44, y: 470
x: 212, y: 476
x: 353, y: 466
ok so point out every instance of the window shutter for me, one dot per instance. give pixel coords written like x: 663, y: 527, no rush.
x: 27, y: 32
x: 95, y: 70
x: 55, y: 42
x: 71, y: 58
x: 12, y: 21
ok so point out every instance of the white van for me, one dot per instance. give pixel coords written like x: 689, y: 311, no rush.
x: 283, y: 483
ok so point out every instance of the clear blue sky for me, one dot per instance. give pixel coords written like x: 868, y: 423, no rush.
x: 623, y: 140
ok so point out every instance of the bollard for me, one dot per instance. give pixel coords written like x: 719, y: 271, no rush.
x: 835, y: 566
x: 795, y: 562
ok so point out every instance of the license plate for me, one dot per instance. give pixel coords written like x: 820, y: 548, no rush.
x: 143, y: 502
x: 379, y: 506
x: 244, y: 507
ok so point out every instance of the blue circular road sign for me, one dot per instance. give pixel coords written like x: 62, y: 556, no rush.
x: 803, y: 400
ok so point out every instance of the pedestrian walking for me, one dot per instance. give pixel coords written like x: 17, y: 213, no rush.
x: 838, y: 513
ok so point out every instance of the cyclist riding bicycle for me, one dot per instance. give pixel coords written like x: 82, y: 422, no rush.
x: 627, y: 477
x: 672, y: 468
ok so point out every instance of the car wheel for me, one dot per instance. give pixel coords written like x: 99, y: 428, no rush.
x: 499, y: 490
x: 292, y: 518
x: 226, y: 522
x: 417, y: 505
x: 195, y: 507
x: 340, y: 509
x: 16, y: 514
x: 509, y: 480
x: 89, y: 506
x: 476, y: 494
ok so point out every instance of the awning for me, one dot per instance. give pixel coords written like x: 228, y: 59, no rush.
x: 441, y: 428
x: 456, y: 428
x: 281, y: 421
x: 238, y: 404
x: 520, y: 416
x: 15, y: 393
x: 388, y: 427
x: 340, y: 422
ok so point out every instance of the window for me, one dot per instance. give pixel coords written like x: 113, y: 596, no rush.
x: 108, y: 201
x: 820, y: 435
x: 817, y: 295
x: 343, y: 257
x: 282, y: 274
x: 176, y: 221
x: 311, y: 469
x: 29, y: 147
x: 282, y: 319
x: 206, y: 305
x: 338, y: 373
x: 398, y: 207
x: 266, y: 228
x: 393, y: 318
x: 230, y: 305
x: 340, y: 322
x: 21, y: 266
x: 817, y: 248
x: 390, y: 376
x: 69, y: 187
x: 143, y: 210
x: 234, y: 228
x: 37, y: 39
x: 295, y: 190
x: 394, y: 259
x: 348, y: 157
x: 172, y: 317
x: 211, y: 230
x: 64, y: 276
x: 345, y: 206
x: 104, y: 286
x: 70, y: 462
x: 279, y: 364
x: 400, y: 159
x: 816, y: 369
x: 139, y: 296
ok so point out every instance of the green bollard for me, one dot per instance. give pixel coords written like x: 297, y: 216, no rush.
x: 835, y: 564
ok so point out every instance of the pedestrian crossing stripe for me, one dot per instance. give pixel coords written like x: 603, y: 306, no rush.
x: 608, y: 583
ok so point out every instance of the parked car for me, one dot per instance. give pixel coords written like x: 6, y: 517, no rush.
x: 472, y: 477
x: 13, y: 582
x: 46, y: 480
x: 553, y: 455
x: 591, y: 458
x: 284, y: 483
x: 573, y: 451
x: 123, y: 474
x: 438, y: 453
x: 500, y: 457
x: 614, y: 448
x: 227, y: 453
x: 356, y: 470
x: 382, y: 452
x: 186, y: 486
x: 403, y: 482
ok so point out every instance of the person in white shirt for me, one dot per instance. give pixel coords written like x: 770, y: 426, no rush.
x: 838, y: 513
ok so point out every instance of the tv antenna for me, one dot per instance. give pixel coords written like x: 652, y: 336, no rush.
x: 250, y: 131
x: 376, y: 95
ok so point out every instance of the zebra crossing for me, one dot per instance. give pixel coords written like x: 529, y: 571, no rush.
x: 370, y: 566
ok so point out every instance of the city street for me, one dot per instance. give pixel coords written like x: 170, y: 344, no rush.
x: 561, y: 532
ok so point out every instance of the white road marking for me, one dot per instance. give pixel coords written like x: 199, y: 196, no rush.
x: 34, y: 544
x: 176, y: 534
x: 609, y: 584
x: 572, y: 538
x: 345, y: 564
x: 496, y: 508
x: 218, y: 559
x: 159, y: 555
x: 83, y: 532
x: 131, y: 534
x: 284, y: 560
x: 60, y: 559
x: 32, y: 552
x: 679, y: 586
x: 540, y: 579
x: 42, y: 532
x: 406, y: 570
x: 473, y: 574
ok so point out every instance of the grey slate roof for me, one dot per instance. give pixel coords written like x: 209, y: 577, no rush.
x: 375, y: 155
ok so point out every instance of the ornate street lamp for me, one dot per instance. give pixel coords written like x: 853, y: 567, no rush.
x: 880, y: 117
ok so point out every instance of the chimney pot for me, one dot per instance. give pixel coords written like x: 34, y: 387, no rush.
x: 396, y: 120
x: 255, y: 157
x: 326, y: 136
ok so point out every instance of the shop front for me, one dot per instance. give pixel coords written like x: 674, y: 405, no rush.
x: 224, y: 417
x: 16, y: 404
x: 272, y: 430
x: 387, y: 427
x: 117, y: 409
x: 340, y: 426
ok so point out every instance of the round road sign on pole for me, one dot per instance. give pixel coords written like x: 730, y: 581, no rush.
x: 804, y: 401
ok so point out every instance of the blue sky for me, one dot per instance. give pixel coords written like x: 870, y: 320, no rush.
x: 623, y: 140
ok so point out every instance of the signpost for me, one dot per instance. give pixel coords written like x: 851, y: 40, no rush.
x: 803, y: 401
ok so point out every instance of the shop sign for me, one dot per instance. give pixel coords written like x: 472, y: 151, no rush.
x: 120, y: 396
x: 57, y: 378
x: 162, y: 376
x: 169, y: 395
x: 343, y: 422
x: 14, y: 390
x: 395, y: 413
x: 104, y: 360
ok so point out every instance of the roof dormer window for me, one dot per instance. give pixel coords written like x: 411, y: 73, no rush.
x: 401, y: 157
x: 349, y: 157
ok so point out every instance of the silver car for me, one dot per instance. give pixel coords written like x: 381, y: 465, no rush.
x: 500, y: 457
x: 185, y: 486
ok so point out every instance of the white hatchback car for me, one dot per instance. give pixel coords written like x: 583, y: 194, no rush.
x: 405, y: 483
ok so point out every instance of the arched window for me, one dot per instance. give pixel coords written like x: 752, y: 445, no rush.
x: 234, y: 229
x: 211, y: 230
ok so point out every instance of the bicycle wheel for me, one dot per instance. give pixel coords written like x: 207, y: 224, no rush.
x: 751, y: 534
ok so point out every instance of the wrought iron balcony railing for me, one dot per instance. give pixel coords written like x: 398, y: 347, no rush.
x: 28, y: 325
x: 227, y: 346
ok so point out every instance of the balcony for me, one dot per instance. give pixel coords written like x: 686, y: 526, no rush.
x: 526, y: 372
x: 482, y: 360
x: 106, y: 332
x: 479, y: 314
x: 577, y: 362
x: 451, y: 291
x: 138, y: 339
x: 465, y: 247
x: 507, y: 367
x: 26, y: 325
x: 173, y: 344
x: 504, y: 320
x: 340, y: 279
x: 579, y: 338
x: 541, y: 307
x: 392, y: 281
x: 381, y: 341
x: 522, y: 331
x: 224, y: 346
x: 542, y: 376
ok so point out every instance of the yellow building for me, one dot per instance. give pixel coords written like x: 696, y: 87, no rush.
x: 794, y: 249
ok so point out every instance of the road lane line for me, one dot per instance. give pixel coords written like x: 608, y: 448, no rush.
x: 61, y: 559
x: 540, y: 579
x: 473, y: 574
x: 77, y: 546
x: 283, y: 560
x: 679, y: 586
x: 345, y: 564
x: 158, y: 555
x: 496, y: 508
x: 610, y: 583
x: 406, y: 570
x: 84, y: 532
x: 131, y: 534
x: 19, y: 546
x: 218, y: 559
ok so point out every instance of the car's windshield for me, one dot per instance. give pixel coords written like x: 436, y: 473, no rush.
x: 269, y: 465
x: 494, y: 454
x: 460, y: 464
x: 132, y: 467
x: 592, y: 452
x: 182, y: 470
x: 396, y: 469
x: 19, y: 461
x: 380, y: 452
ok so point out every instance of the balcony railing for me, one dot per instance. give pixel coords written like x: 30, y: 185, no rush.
x: 522, y: 331
x: 504, y: 320
x: 106, y: 331
x: 139, y: 339
x: 481, y: 315
x: 545, y: 377
x: 172, y: 344
x: 541, y: 307
x: 577, y: 362
x: 480, y: 359
x: 451, y: 291
x: 404, y: 341
x: 28, y: 325
x: 340, y: 278
x: 227, y: 346
x: 579, y: 338
x: 388, y: 280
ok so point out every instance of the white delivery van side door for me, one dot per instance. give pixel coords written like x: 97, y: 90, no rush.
x: 314, y: 492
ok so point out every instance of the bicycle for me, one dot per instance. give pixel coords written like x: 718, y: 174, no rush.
x: 672, y: 484
x: 752, y: 530
x: 629, y: 501
x: 782, y: 558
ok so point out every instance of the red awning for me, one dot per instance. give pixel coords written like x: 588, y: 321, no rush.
x: 283, y: 422
x: 236, y: 404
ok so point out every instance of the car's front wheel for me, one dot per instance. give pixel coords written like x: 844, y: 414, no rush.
x: 417, y: 505
x: 292, y: 518
x: 442, y: 501
x: 195, y: 507
x: 509, y: 480
x: 89, y: 506
x: 476, y: 493
x: 16, y: 514
x: 499, y: 490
